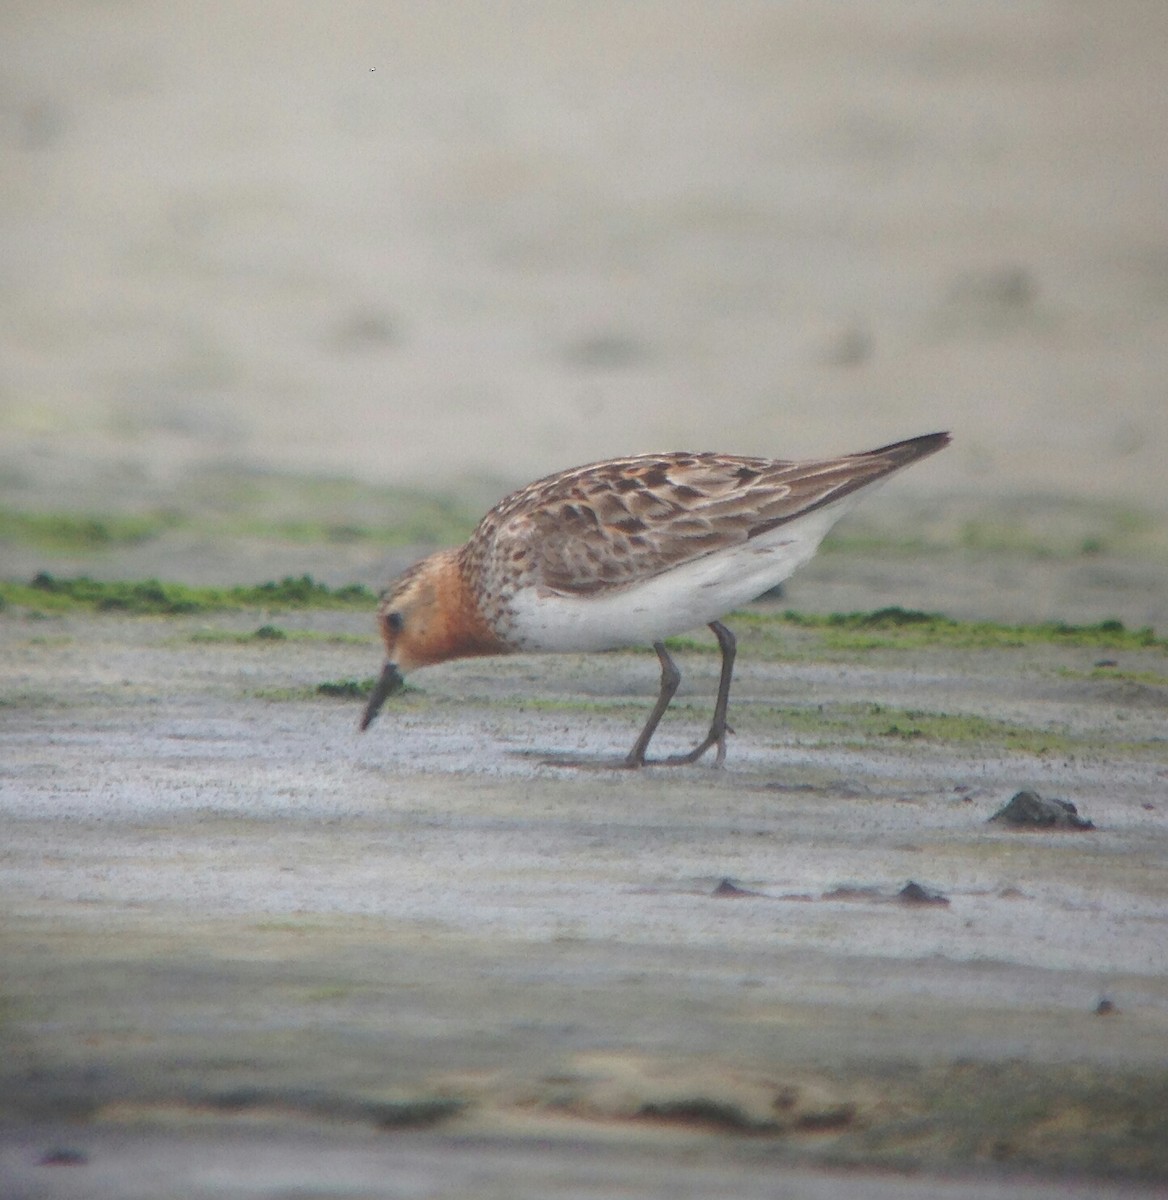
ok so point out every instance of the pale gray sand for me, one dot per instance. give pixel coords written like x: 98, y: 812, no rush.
x: 224, y: 905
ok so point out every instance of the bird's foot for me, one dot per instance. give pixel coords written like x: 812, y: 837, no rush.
x: 715, y: 738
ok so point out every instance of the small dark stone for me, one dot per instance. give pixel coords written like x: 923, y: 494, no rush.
x: 63, y: 1156
x: 409, y: 1114
x: 729, y: 888
x: 1029, y: 810
x: 1105, y: 1008
x: 701, y: 1110
x: 913, y: 893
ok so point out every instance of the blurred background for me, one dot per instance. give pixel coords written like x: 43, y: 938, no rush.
x: 305, y: 263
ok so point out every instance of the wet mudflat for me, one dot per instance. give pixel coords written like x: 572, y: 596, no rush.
x: 227, y: 915
x: 267, y: 278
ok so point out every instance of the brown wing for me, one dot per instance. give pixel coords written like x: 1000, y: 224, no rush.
x: 611, y: 523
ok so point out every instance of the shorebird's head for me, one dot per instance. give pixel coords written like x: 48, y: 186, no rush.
x: 426, y: 616
x: 408, y: 617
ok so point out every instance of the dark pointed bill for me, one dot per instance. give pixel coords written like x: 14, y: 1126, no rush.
x: 390, y: 682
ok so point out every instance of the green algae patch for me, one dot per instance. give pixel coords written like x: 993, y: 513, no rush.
x: 83, y: 532
x: 766, y: 633
x: 220, y: 503
x: 265, y: 633
x: 908, y: 629
x: 792, y: 635
x: 964, y: 729
x: 332, y: 689
x: 276, y: 633
x: 346, y: 689
x: 151, y: 597
x: 865, y: 724
x: 321, y: 510
x: 1154, y: 679
x: 1039, y: 528
x: 1075, y: 1119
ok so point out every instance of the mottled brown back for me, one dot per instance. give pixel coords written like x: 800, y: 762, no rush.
x: 608, y: 524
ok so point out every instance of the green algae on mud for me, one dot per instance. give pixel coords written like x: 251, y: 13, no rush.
x: 765, y: 636
x: 332, y: 689
x: 769, y: 634
x: 276, y: 633
x: 309, y: 509
x: 1035, y: 528
x: 222, y: 503
x: 866, y: 724
x: 859, y: 725
x: 47, y: 593
x: 906, y: 629
x: 82, y: 532
x: 886, y: 628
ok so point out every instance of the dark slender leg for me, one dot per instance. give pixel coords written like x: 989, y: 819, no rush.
x: 670, y: 678
x: 718, y: 727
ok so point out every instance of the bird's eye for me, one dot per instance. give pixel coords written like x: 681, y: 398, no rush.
x: 395, y: 621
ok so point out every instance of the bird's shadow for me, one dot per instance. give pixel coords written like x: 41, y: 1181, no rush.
x: 547, y: 758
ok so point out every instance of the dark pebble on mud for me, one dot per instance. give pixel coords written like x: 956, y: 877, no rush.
x: 729, y: 888
x: 913, y: 893
x: 1029, y: 810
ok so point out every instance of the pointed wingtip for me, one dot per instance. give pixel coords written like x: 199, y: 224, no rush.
x: 916, y: 447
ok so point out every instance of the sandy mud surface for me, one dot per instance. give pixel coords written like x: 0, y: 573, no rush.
x: 225, y: 910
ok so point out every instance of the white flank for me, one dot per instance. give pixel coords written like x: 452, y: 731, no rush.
x: 686, y: 597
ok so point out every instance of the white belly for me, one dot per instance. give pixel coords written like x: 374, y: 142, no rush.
x: 693, y: 594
